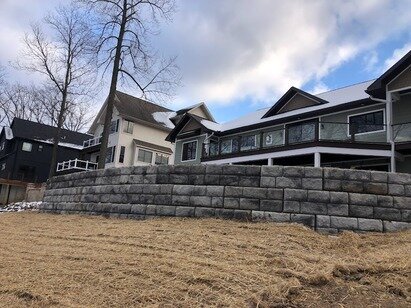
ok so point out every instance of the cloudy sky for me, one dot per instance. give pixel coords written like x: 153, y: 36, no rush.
x: 241, y: 55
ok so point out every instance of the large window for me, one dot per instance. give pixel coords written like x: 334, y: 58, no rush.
x: 128, y: 127
x: 27, y: 147
x: 367, y: 122
x: 248, y: 142
x: 226, y: 146
x: 122, y: 154
x: 111, y: 153
x: 301, y: 132
x: 145, y: 156
x: 114, y: 126
x: 161, y: 159
x: 189, y: 151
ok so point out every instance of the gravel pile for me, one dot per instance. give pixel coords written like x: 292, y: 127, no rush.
x: 19, y: 207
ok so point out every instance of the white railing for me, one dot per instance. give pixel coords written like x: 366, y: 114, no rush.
x: 91, y: 142
x: 76, y: 164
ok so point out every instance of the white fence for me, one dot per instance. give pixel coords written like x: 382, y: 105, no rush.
x: 77, y: 164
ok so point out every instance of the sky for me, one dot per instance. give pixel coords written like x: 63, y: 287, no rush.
x: 238, y: 56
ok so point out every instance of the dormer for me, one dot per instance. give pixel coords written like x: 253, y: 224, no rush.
x: 293, y: 99
x: 200, y: 110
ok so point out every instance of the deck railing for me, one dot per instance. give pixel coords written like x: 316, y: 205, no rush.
x: 402, y: 132
x: 76, y: 164
x: 92, y: 142
x: 306, y: 132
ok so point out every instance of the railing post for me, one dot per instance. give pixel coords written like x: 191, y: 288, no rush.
x: 87, y: 165
x: 239, y: 143
x: 261, y: 140
x: 317, y: 131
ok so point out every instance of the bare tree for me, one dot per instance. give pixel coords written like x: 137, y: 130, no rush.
x: 125, y: 28
x: 62, y: 56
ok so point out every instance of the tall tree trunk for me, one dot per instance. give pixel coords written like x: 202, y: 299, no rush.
x: 57, y: 135
x: 113, y: 89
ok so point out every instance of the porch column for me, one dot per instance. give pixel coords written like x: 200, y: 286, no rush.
x: 390, y: 134
x: 317, y: 159
x: 270, y: 162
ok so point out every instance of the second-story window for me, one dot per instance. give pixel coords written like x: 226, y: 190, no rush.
x: 111, y: 153
x: 114, y: 126
x: 27, y: 147
x: 128, y: 127
x: 189, y: 151
x: 122, y: 154
x: 367, y: 122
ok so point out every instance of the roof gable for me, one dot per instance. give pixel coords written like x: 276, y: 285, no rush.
x: 293, y: 99
x: 188, y: 123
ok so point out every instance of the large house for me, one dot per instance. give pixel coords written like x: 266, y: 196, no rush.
x: 25, y: 155
x: 365, y: 126
x: 138, y: 133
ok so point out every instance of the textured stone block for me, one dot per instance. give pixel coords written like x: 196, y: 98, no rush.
x: 376, y: 188
x: 271, y: 171
x: 399, y: 178
x: 224, y: 213
x: 185, y: 211
x: 338, y: 197
x: 402, y: 202
x: 163, y: 178
x: 215, y: 191
x: 267, y: 182
x: 217, y: 201
x: 406, y: 215
x: 233, y: 170
x: 214, y: 169
x: 232, y: 191
x: 396, y: 226
x: 229, y: 180
x: 345, y: 223
x: 254, y: 192
x: 147, y: 199
x: 363, y: 199
x: 361, y: 211
x: 333, y: 173
x: 249, y: 204
x: 305, y: 219
x: 332, y: 184
x: 204, y: 201
x: 357, y: 175
x: 312, y: 183
x: 291, y: 206
x: 318, y: 196
x: 249, y: 181
x: 178, y: 178
x: 378, y: 177
x: 370, y: 225
x: 323, y: 221
x: 194, y: 179
x: 253, y: 170
x: 122, y: 208
x: 197, y: 169
x: 352, y: 186
x: 204, y: 212
x: 199, y: 190
x: 271, y: 205
x: 385, y: 201
x: 284, y: 182
x: 231, y: 203
x: 295, y: 194
x: 408, y: 190
x: 211, y: 179
x: 181, y: 169
x: 181, y: 200
x: 151, y: 209
x: 313, y: 208
x: 270, y: 216
x: 396, y: 189
x: 313, y: 172
x: 165, y: 210
x: 275, y: 193
x: 337, y: 209
x: 293, y: 171
x: 385, y: 213
x: 243, y: 215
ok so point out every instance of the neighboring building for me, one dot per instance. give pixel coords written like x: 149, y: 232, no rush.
x: 365, y: 126
x: 138, y: 132
x: 25, y: 154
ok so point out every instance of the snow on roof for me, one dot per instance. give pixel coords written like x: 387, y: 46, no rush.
x: 163, y: 117
x: 334, y: 97
x: 210, y: 125
x: 62, y: 144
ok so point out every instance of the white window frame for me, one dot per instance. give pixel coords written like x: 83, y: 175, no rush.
x: 231, y: 146
x: 182, y: 150
x: 31, y: 147
x: 126, y: 125
x: 367, y: 133
x: 152, y: 156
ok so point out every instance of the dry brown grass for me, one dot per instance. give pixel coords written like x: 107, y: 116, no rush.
x: 57, y: 260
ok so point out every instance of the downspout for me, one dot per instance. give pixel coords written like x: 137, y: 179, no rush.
x: 388, y: 103
x: 207, y: 144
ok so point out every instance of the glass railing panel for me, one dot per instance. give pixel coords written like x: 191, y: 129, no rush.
x: 334, y: 131
x: 301, y: 133
x: 402, y: 132
x: 274, y: 138
x: 250, y: 142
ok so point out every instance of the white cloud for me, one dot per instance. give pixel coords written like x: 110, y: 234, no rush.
x: 396, y: 55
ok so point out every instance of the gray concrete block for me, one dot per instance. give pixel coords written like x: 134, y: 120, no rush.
x: 244, y: 215
x: 345, y: 223
x: 123, y: 208
x: 229, y: 180
x: 385, y: 201
x: 406, y: 215
x: 197, y: 169
x: 215, y: 191
x: 275, y: 193
x: 408, y: 190
x: 178, y: 179
x: 295, y: 194
x: 391, y: 226
x: 233, y: 170
x: 255, y: 192
x: 249, y: 204
x: 293, y: 171
x: 200, y: 190
x: 267, y: 182
x: 313, y: 172
x: 166, y: 210
x: 305, y: 219
x: 181, y: 169
x: 285, y: 182
x: 253, y: 170
x: 249, y: 181
x: 162, y: 199
x: 204, y: 201
x: 211, y: 179
x: 270, y: 216
x: 352, y: 186
x: 163, y: 178
x: 147, y: 199
x: 363, y: 199
x: 323, y: 221
x: 327, y: 231
x: 399, y: 178
x: 361, y: 211
x: 291, y: 206
x: 232, y: 203
x: 333, y: 173
x: 318, y: 196
x: 333, y: 185
x: 357, y: 175
x: 378, y: 177
x: 231, y: 191
x: 204, y: 212
x: 214, y: 169
x: 271, y: 171
x: 313, y: 208
x: 337, y: 209
x: 396, y: 189
x: 402, y: 202
x: 385, y: 213
x: 376, y: 188
x: 338, y: 197
x: 271, y: 205
x: 217, y: 202
x: 151, y: 209
x: 195, y: 179
x: 224, y: 213
x: 181, y: 200
x: 185, y: 211
x: 312, y: 183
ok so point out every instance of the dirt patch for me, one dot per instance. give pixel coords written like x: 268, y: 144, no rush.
x: 66, y: 261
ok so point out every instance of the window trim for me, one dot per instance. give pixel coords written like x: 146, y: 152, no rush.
x: 182, y: 150
x: 122, y: 149
x: 143, y: 149
x: 367, y: 112
x: 31, y: 146
x: 126, y: 125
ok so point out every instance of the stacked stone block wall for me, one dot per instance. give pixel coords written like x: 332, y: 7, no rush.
x: 325, y: 199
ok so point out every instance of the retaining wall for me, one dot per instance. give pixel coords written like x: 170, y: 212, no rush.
x: 326, y: 199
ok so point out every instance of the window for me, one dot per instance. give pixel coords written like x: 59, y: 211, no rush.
x: 226, y: 146
x: 248, y: 142
x: 114, y: 126
x: 40, y: 148
x: 128, y: 127
x: 367, y: 122
x: 301, y: 132
x: 27, y: 147
x: 145, y: 156
x: 122, y: 153
x: 111, y: 153
x: 189, y: 150
x: 161, y: 159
